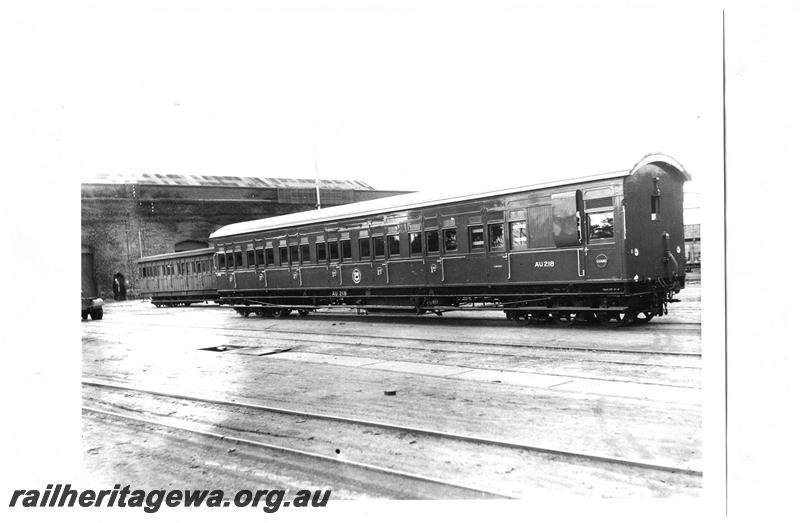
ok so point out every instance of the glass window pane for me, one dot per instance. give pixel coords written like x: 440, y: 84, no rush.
x: 415, y: 243
x: 476, y: 242
x: 377, y: 243
x: 260, y: 258
x: 321, y: 253
x: 305, y: 253
x: 270, y: 255
x: 238, y: 259
x: 363, y: 247
x: 294, y: 254
x: 251, y: 259
x: 496, y: 236
x: 450, y: 240
x: 394, y: 244
x: 601, y: 225
x: 432, y: 241
x: 345, y: 247
x: 283, y: 255
x: 519, y: 234
x: 333, y: 250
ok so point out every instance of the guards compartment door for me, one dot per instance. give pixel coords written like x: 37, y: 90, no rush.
x: 602, y: 235
x: 567, y: 262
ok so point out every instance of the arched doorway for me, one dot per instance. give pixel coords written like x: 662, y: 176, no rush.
x: 120, y: 291
x: 88, y: 283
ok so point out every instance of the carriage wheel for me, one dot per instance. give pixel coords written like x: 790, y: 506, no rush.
x: 84, y: 315
x: 280, y: 313
x: 564, y: 317
x: 612, y: 319
x: 243, y: 311
x: 303, y: 312
x: 642, y: 316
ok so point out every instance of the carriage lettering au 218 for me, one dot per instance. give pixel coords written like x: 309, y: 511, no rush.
x: 604, y: 248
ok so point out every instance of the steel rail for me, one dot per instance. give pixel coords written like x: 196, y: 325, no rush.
x: 423, y: 340
x: 402, y: 428
x: 305, y: 453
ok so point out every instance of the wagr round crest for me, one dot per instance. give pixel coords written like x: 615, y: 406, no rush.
x: 356, y: 275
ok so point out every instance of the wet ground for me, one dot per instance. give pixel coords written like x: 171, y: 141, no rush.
x: 581, y: 410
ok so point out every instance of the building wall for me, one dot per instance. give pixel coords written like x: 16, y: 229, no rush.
x: 120, y: 223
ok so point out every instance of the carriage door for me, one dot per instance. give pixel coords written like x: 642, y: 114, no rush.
x: 601, y: 260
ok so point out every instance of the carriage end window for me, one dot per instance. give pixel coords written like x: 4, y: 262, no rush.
x: 476, y: 242
x: 294, y: 254
x: 601, y: 225
x: 238, y: 259
x: 519, y: 234
x: 283, y: 256
x: 260, y: 258
x: 322, y: 255
x: 251, y: 259
x: 305, y: 253
x: 655, y: 207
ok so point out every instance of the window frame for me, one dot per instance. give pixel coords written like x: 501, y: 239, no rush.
x: 470, y: 230
x: 511, y: 244
x: 491, y: 238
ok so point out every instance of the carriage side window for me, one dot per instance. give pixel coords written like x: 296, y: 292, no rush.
x: 333, y: 250
x: 363, y: 248
x: 305, y: 253
x: 251, y: 258
x: 415, y: 243
x: 283, y: 256
x: 476, y: 242
x: 270, y: 250
x: 601, y: 225
x: 294, y: 254
x: 497, y: 241
x: 450, y: 240
x: 378, y: 246
x: 322, y: 255
x: 259, y: 257
x: 237, y: 260
x: 519, y: 234
x: 346, y: 249
x: 393, y: 240
x: 432, y: 241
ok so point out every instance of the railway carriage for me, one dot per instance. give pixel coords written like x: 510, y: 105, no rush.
x: 604, y: 247
x: 178, y: 278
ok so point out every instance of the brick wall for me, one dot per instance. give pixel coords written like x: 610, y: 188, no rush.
x: 120, y: 223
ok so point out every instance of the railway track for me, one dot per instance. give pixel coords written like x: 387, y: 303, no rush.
x: 347, y: 339
x: 537, y: 465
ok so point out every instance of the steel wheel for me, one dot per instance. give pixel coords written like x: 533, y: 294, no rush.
x: 612, y: 319
x: 303, y: 312
x: 280, y: 313
x: 642, y: 316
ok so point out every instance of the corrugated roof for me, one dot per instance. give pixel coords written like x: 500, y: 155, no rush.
x: 225, y: 181
x: 415, y: 200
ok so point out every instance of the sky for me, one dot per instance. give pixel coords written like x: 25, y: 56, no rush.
x: 400, y: 95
